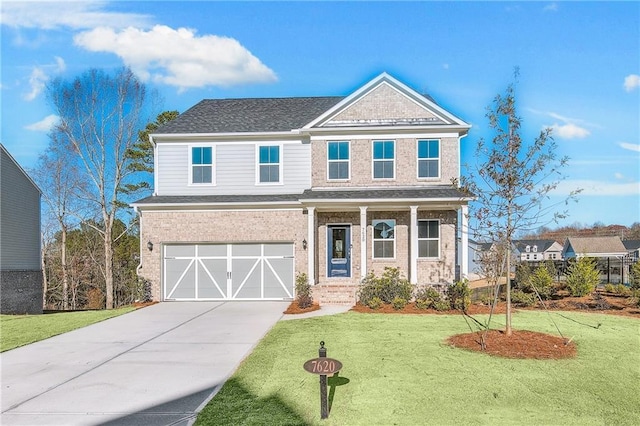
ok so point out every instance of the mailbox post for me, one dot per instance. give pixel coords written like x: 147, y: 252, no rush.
x: 324, y: 408
x: 323, y: 366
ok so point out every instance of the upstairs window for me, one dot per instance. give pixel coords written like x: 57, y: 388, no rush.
x: 269, y: 164
x: 338, y: 160
x: 383, y: 159
x: 428, y: 158
x: 429, y: 238
x: 201, y: 164
x: 384, y: 239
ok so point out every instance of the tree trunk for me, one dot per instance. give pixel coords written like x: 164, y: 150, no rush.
x: 508, y: 321
x: 65, y: 270
x: 45, y: 281
x: 108, y: 264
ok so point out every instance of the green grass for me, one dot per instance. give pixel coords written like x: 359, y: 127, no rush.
x: 20, y: 330
x: 398, y: 371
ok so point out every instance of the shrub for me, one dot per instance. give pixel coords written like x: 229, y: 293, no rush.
x: 523, y: 275
x: 375, y: 303
x: 426, y: 297
x: 399, y: 303
x: 441, y: 305
x: 622, y: 290
x: 423, y: 304
x: 542, y: 281
x: 635, y: 276
x: 521, y: 298
x: 459, y: 295
x: 386, y: 287
x: 582, y: 277
x: 610, y: 288
x: 303, y: 291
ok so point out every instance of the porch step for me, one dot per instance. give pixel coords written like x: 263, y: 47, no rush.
x: 335, y: 294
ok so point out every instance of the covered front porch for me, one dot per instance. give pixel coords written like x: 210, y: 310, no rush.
x: 353, y: 233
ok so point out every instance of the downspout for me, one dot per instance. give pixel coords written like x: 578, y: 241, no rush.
x: 135, y: 209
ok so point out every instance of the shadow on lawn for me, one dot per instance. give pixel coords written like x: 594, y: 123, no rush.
x: 333, y: 382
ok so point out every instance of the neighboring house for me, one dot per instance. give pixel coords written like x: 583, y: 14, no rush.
x: 20, y: 266
x: 537, y: 250
x: 609, y: 252
x: 633, y: 249
x: 597, y: 247
x: 251, y: 192
x: 477, y: 252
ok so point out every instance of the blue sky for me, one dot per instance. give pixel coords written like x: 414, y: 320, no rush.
x: 579, y: 67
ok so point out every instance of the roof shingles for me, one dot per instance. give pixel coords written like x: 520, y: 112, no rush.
x: 250, y: 115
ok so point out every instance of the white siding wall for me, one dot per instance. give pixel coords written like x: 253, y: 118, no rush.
x: 234, y: 168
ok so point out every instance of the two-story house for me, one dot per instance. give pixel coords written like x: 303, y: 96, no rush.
x: 251, y: 192
x: 538, y: 250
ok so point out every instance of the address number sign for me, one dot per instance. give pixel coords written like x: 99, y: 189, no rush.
x: 323, y: 366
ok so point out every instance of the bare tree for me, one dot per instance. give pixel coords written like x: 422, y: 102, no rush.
x: 100, y: 117
x: 512, y: 182
x: 60, y: 182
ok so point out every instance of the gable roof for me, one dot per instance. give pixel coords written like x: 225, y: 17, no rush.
x: 631, y: 244
x: 263, y: 115
x: 594, y: 246
x: 425, y: 102
x: 249, y: 115
x: 543, y: 245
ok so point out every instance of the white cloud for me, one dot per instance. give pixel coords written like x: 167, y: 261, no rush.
x: 43, y: 125
x: 39, y: 78
x: 599, y: 188
x: 618, y: 175
x: 66, y: 14
x: 445, y: 66
x: 179, y: 57
x: 37, y: 81
x: 630, y: 146
x: 569, y: 131
x: 631, y: 82
x: 553, y: 7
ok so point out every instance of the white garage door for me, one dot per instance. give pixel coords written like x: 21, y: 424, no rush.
x: 228, y: 271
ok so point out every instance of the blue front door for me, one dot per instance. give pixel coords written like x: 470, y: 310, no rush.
x: 339, y: 251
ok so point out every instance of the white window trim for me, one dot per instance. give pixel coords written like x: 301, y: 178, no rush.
x: 348, y: 178
x: 280, y: 164
x: 373, y: 160
x: 213, y: 163
x: 439, y: 158
x: 439, y: 239
x: 373, y: 239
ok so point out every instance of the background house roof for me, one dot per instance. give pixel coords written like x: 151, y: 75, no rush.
x: 543, y: 245
x: 249, y: 115
x: 595, y: 245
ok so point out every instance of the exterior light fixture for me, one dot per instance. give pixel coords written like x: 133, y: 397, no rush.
x: 304, y: 244
x: 150, y: 246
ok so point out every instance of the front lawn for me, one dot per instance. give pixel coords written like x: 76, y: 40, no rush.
x: 20, y: 330
x: 398, y: 370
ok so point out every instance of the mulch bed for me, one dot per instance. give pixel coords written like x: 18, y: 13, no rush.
x: 521, y: 344
x: 294, y: 309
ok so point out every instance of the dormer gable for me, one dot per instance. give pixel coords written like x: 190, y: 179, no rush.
x: 383, y: 102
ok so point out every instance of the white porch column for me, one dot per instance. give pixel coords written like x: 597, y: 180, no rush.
x: 311, y: 244
x: 464, y: 242
x: 413, y: 247
x: 363, y: 242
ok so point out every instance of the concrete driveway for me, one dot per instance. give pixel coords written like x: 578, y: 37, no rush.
x: 154, y: 366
